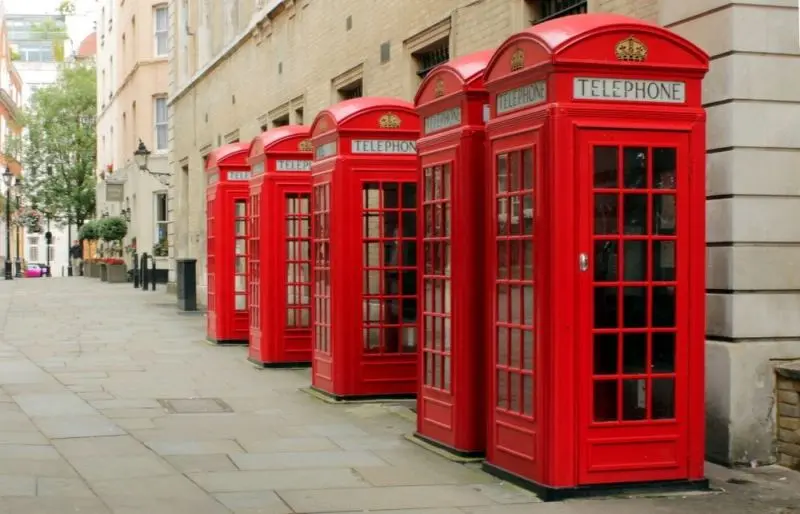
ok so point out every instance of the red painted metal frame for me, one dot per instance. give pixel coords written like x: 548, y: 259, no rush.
x: 227, y: 176
x: 559, y: 448
x: 280, y: 250
x: 364, y: 343
x: 451, y: 397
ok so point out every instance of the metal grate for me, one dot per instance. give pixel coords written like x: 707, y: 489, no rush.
x: 430, y: 59
x: 550, y: 9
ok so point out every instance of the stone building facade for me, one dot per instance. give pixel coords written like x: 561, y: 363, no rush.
x: 257, y: 64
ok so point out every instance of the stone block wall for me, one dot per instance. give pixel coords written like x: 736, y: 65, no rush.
x: 788, y: 397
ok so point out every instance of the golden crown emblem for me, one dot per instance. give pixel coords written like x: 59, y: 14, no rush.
x: 631, y: 49
x: 517, y: 60
x: 389, y: 120
x: 438, y: 89
x: 305, y: 146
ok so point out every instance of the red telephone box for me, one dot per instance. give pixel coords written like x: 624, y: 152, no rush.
x: 450, y: 407
x: 597, y: 249
x: 280, y: 248
x: 364, y: 202
x: 227, y: 175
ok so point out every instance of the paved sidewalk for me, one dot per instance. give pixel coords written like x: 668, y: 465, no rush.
x: 85, y: 369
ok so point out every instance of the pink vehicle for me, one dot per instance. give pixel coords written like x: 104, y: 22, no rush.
x: 33, y: 271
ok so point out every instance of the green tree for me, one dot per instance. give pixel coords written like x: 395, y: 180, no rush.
x: 49, y: 30
x: 58, y: 148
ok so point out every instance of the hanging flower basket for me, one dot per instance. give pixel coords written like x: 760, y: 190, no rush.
x: 30, y: 219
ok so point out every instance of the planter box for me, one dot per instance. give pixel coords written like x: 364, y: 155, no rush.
x: 91, y: 269
x: 103, y: 272
x: 116, y: 273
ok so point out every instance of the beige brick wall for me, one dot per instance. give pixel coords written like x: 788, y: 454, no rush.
x: 788, y: 398
x: 294, y: 61
x: 643, y: 9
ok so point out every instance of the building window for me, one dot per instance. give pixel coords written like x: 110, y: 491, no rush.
x: 281, y: 121
x: 33, y: 249
x: 161, y: 24
x: 160, y: 122
x: 160, y: 217
x: 352, y: 90
x: 51, y: 253
x: 432, y: 56
x: 543, y: 10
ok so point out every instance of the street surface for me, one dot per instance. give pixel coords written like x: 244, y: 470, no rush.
x: 111, y: 402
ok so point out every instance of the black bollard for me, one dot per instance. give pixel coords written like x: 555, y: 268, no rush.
x: 153, y: 267
x: 145, y: 278
x: 186, y: 275
x: 135, y: 270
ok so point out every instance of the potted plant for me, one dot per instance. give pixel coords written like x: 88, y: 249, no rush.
x: 89, y: 232
x: 30, y: 219
x: 161, y: 249
x: 113, y: 230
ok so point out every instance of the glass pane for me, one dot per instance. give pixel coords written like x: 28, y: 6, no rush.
x: 635, y: 221
x: 503, y: 218
x: 663, y: 260
x: 663, y: 306
x: 664, y: 215
x: 527, y: 255
x: 241, y: 264
x: 409, y: 194
x: 372, y: 255
x: 240, y: 302
x: 390, y: 195
x: 605, y: 354
x: 634, y: 302
x: 515, y: 384
x: 663, y: 352
x: 446, y: 181
x: 502, y: 173
x: 502, y: 260
x: 663, y: 398
x: 635, y: 261
x: 527, y: 342
x: 240, y: 247
x: 447, y: 334
x: 513, y: 171
x: 502, y: 389
x: 527, y: 169
x: 605, y: 214
x: 634, y: 353
x: 372, y: 225
x: 428, y: 185
x: 606, y: 171
x: 372, y: 196
x: 515, y: 253
x: 605, y: 400
x: 605, y: 307
x: 635, y: 168
x: 605, y: 261
x: 530, y: 306
x: 515, y: 350
x: 241, y: 228
x: 502, y: 346
x: 665, y: 162
x: 502, y: 303
x: 527, y: 391
x: 240, y: 208
x: 634, y: 399
x: 240, y: 284
x: 446, y: 380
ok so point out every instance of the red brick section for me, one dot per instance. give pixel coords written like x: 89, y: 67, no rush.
x: 788, y: 396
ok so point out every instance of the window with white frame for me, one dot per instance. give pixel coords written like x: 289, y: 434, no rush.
x: 160, y: 217
x: 51, y: 253
x: 161, y: 27
x: 160, y: 122
x: 33, y: 249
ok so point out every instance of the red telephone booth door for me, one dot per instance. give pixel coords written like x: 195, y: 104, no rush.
x: 633, y: 299
x: 297, y: 274
x: 211, y: 262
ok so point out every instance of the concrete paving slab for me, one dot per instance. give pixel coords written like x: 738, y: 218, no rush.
x: 38, y: 468
x: 255, y: 502
x: 54, y: 505
x: 129, y: 467
x: 305, y: 460
x: 201, y: 463
x: 60, y: 427
x: 287, y: 444
x: 53, y: 404
x: 29, y: 437
x: 16, y: 485
x: 28, y: 452
x: 195, y: 447
x: 114, y: 446
x: 234, y: 481
x: 63, y: 488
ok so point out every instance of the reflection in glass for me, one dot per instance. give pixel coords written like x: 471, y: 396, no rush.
x: 663, y: 306
x: 605, y: 354
x: 515, y: 251
x: 445, y: 181
x: 502, y: 260
x: 634, y: 399
x: 514, y: 394
x: 239, y: 247
x: 372, y: 257
x: 665, y: 162
x: 240, y: 283
x: 605, y: 400
x: 428, y: 184
x: 372, y: 339
x: 663, y: 352
x: 635, y: 208
x: 447, y: 372
x: 390, y: 195
x: 409, y: 195
x: 634, y: 353
x: 664, y: 215
x: 503, y: 218
x: 605, y: 214
x: 605, y: 307
x: 241, y: 228
x: 515, y: 348
x: 528, y: 173
x: 502, y: 303
x: 241, y: 264
x: 635, y: 307
x: 606, y: 171
x: 528, y: 349
x: 447, y: 334
x: 605, y: 261
x: 240, y: 209
x: 502, y: 389
x: 635, y: 168
x: 513, y: 172
x: 527, y: 390
x: 502, y: 346
x: 635, y: 261
x: 530, y: 307
x: 663, y: 260
x: 502, y: 173
x: 527, y: 259
x: 663, y: 398
x: 240, y: 302
x: 372, y: 196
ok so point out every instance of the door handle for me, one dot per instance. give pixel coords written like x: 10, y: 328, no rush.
x: 583, y: 261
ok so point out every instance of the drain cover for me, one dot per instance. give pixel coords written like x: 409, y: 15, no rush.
x: 195, y: 405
